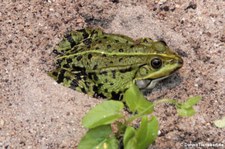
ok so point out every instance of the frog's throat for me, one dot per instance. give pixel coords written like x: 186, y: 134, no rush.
x: 148, y: 84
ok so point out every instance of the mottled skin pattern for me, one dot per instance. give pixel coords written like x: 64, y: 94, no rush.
x: 105, y: 65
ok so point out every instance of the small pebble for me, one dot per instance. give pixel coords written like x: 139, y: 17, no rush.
x: 2, y: 122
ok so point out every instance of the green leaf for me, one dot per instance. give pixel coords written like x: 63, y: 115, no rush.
x: 99, y: 138
x: 220, y: 123
x: 136, y: 101
x: 153, y: 129
x: 142, y: 133
x: 186, y: 108
x: 129, y: 134
x: 147, y: 132
x: 191, y: 101
x: 186, y: 112
x: 131, y: 144
x: 143, y: 136
x: 129, y: 140
x: 103, y: 114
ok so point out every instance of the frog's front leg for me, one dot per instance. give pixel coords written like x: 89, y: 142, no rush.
x: 74, y: 38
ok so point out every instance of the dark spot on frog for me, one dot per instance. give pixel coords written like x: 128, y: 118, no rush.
x: 113, y: 74
x: 94, y: 32
x: 78, y: 76
x: 87, y: 42
x: 84, y: 77
x: 145, y: 40
x: 104, y: 55
x: 120, y: 59
x: 99, y: 95
x: 116, y: 95
x: 89, y: 56
x: 93, y: 76
x: 61, y: 76
x: 117, y: 41
x: 106, y: 80
x: 55, y: 73
x: 83, y: 90
x: 58, y: 63
x: 74, y: 84
x: 79, y: 57
x: 111, y: 84
x: 70, y: 40
x: 109, y: 46
x: 82, y: 70
x: 69, y: 60
x: 106, y: 90
x: 99, y: 41
x: 97, y: 48
x: 57, y: 52
x: 95, y: 88
x: 120, y: 50
x: 100, y: 85
x: 125, y: 70
x: 105, y: 37
x: 103, y: 73
x: 66, y: 66
x: 131, y: 46
x: 95, y: 67
x: 67, y: 78
x: 87, y: 84
x: 62, y: 51
x: 111, y: 62
x: 85, y: 34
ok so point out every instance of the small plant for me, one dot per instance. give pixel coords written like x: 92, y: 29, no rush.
x: 112, y: 127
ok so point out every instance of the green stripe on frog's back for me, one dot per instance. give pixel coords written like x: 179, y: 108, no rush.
x: 98, y: 59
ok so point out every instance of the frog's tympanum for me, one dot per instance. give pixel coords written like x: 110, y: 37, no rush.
x: 105, y: 65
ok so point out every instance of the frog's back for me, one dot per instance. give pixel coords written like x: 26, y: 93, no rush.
x: 95, y: 49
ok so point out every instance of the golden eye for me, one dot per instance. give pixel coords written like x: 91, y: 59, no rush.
x: 156, y: 63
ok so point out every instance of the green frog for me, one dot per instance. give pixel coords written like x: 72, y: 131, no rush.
x: 105, y: 65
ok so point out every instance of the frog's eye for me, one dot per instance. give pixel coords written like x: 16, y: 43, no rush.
x: 156, y: 63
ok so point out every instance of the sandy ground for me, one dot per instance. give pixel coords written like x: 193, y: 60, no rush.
x: 35, y: 112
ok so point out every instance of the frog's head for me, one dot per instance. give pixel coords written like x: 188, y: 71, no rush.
x: 160, y: 64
